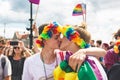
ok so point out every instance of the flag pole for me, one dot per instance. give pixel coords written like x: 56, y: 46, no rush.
x: 31, y: 31
x: 85, y: 11
x: 36, y: 13
x: 83, y: 17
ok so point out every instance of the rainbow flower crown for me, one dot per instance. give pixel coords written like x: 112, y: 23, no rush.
x: 117, y: 47
x: 74, y: 36
x: 52, y: 28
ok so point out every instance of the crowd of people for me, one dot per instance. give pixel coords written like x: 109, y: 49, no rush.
x: 53, y: 45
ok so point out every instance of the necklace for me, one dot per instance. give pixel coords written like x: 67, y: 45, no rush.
x: 45, y: 72
x: 44, y: 69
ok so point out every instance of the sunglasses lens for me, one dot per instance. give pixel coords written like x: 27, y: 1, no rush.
x: 17, y: 47
x: 1, y: 47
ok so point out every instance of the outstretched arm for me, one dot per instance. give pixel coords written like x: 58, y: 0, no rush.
x: 93, y: 51
x: 78, y: 57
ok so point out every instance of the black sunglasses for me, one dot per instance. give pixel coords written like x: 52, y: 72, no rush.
x: 16, y: 47
x: 1, y: 47
x: 116, y: 35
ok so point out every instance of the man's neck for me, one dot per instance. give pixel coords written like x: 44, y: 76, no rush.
x: 48, y: 56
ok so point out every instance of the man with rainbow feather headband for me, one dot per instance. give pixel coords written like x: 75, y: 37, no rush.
x: 40, y: 66
x: 90, y: 69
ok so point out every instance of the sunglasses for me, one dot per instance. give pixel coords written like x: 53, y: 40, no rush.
x: 1, y: 47
x: 16, y: 47
x: 116, y: 35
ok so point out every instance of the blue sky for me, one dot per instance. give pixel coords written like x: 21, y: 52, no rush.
x: 102, y: 15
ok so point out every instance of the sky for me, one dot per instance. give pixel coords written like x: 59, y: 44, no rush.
x: 102, y: 16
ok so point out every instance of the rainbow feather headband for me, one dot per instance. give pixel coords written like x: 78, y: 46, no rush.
x: 52, y: 28
x: 117, y: 47
x: 74, y: 36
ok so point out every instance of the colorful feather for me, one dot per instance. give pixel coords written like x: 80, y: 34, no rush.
x: 47, y: 34
x: 74, y: 36
x: 117, y: 47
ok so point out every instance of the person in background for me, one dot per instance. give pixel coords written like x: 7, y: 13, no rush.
x: 114, y: 69
x: 5, y: 66
x: 92, y: 43
x: 111, y: 57
x: 23, y: 37
x: 98, y: 43
x: 105, y: 46
x: 111, y: 44
x: 17, y: 58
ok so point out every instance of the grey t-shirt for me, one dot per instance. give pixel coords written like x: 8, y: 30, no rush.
x: 7, y: 68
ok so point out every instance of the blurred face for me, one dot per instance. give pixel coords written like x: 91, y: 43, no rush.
x: 17, y: 49
x: 91, y: 42
x: 97, y: 45
x: 117, y: 36
x: 103, y: 46
x: 53, y: 42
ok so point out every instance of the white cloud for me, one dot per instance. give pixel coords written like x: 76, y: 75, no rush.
x: 4, y: 8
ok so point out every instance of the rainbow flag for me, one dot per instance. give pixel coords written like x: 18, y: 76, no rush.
x: 34, y: 1
x: 79, y: 9
x: 88, y: 70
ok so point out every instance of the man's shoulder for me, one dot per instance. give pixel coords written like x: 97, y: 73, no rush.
x: 33, y: 57
x: 3, y: 57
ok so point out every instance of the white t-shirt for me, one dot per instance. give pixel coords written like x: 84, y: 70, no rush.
x: 34, y: 68
x: 7, y: 68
